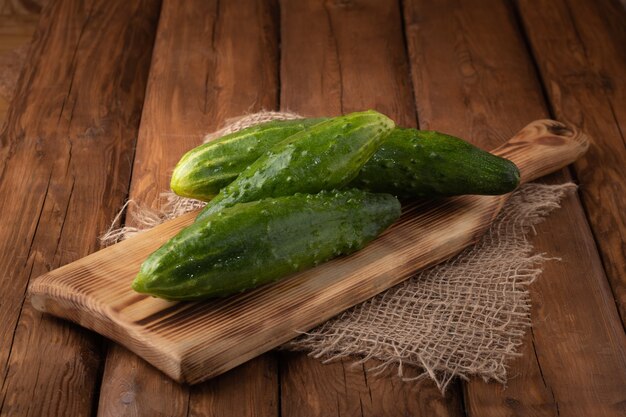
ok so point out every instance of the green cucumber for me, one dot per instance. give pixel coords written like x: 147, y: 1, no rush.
x: 254, y: 243
x: 417, y: 163
x: 411, y: 163
x: 326, y: 156
x: 203, y: 171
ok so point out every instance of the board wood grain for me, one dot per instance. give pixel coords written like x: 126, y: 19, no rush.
x: 194, y: 341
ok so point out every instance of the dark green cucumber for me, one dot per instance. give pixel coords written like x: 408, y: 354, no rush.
x: 326, y: 156
x: 417, y: 163
x: 204, y: 170
x: 253, y: 243
x: 411, y: 163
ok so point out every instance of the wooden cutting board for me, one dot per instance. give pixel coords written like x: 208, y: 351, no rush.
x: 194, y: 341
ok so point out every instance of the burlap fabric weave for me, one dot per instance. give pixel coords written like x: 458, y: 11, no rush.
x: 463, y: 317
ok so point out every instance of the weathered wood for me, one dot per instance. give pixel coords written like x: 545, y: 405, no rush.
x: 475, y: 79
x: 579, y: 47
x: 21, y: 7
x: 312, y: 388
x: 212, y: 60
x: 18, y: 22
x: 63, y: 170
x: 350, y: 57
x: 249, y: 390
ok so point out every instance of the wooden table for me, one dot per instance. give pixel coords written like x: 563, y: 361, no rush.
x: 115, y: 91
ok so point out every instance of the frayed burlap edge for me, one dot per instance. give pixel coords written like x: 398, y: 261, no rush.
x: 145, y: 218
x: 464, y: 317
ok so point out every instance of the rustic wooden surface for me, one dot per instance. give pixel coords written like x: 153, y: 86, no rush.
x: 479, y: 69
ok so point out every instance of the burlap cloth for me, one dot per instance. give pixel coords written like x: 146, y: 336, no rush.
x: 463, y: 317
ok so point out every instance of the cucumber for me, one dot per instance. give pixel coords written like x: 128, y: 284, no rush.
x: 326, y: 156
x: 417, y: 163
x: 411, y: 163
x: 253, y: 243
x: 204, y: 170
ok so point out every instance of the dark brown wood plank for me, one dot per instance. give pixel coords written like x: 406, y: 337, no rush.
x: 350, y: 57
x: 213, y: 60
x: 476, y: 79
x: 63, y: 171
x: 311, y: 388
x: 579, y: 47
x: 18, y: 22
x: 252, y: 389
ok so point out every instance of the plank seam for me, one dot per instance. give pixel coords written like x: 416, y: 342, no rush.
x: 95, y: 402
x: 543, y: 378
x: 73, y: 61
x: 405, y: 47
x: 337, y: 56
x: 19, y: 316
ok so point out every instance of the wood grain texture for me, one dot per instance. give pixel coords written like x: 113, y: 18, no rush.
x: 351, y: 57
x: 248, y: 390
x: 311, y: 388
x: 194, y: 341
x: 21, y: 7
x: 583, y: 70
x: 18, y: 22
x: 63, y: 169
x: 212, y: 60
x: 476, y: 79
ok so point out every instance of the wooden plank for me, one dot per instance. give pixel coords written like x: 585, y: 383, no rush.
x: 312, y: 388
x: 249, y: 390
x: 579, y: 47
x: 18, y: 21
x: 212, y: 60
x: 21, y: 7
x: 63, y: 170
x: 476, y: 79
x: 351, y: 57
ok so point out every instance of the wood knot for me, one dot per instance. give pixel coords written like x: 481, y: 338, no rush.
x: 559, y: 129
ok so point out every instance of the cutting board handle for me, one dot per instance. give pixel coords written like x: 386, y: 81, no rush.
x: 542, y: 147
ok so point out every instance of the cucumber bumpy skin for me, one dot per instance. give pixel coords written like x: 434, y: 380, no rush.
x: 410, y: 164
x: 206, y: 169
x: 253, y: 243
x: 326, y: 156
x: 418, y: 163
